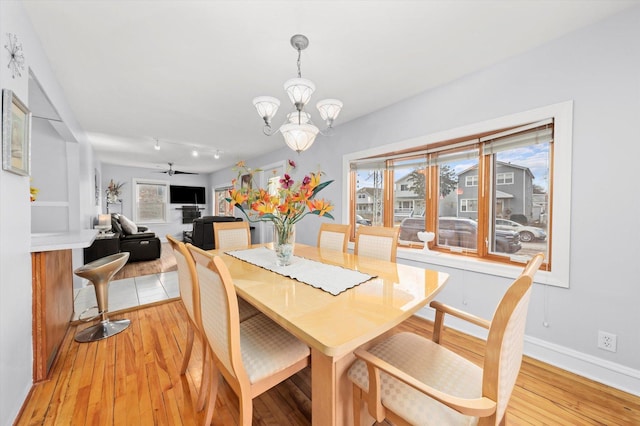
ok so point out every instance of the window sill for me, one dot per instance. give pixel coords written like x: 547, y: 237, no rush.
x: 481, y: 266
x: 472, y: 264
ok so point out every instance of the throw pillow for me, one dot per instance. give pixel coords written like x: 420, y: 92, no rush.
x: 115, y: 224
x: 128, y: 226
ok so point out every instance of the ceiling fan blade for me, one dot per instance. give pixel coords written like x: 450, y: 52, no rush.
x: 178, y: 172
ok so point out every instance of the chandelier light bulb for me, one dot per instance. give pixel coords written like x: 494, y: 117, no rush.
x: 216, y: 155
x: 157, y: 146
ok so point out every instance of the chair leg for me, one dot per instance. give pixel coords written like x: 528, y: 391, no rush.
x: 357, y: 405
x: 212, y: 389
x: 246, y: 410
x: 187, y: 350
x: 206, y: 377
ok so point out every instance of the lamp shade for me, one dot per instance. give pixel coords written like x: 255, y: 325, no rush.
x: 267, y: 106
x: 299, y: 137
x: 299, y: 90
x: 329, y: 110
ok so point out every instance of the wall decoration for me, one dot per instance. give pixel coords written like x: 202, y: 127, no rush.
x: 16, y: 57
x: 16, y: 134
x: 96, y: 185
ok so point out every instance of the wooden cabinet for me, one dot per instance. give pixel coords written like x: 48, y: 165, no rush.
x: 52, y: 284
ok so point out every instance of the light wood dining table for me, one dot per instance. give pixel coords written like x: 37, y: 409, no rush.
x: 333, y: 326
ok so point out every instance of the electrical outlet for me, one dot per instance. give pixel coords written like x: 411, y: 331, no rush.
x: 607, y: 341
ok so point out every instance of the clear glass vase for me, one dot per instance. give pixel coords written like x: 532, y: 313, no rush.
x: 284, y: 236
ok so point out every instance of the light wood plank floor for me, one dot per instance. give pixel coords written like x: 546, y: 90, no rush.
x: 133, y: 379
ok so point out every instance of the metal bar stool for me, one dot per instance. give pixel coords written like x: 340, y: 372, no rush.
x: 100, y: 272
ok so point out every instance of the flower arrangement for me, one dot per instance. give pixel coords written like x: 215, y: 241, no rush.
x: 284, y: 204
x: 113, y: 191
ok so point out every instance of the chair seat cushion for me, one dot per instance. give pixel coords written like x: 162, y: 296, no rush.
x: 430, y: 363
x: 268, y: 348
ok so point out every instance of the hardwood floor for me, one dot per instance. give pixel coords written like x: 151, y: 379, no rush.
x: 133, y: 379
x: 165, y: 263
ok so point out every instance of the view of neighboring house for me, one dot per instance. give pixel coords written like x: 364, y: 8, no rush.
x: 369, y: 203
x: 407, y: 202
x: 514, y: 192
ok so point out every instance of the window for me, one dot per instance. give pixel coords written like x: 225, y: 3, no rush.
x: 504, y: 178
x: 469, y: 205
x: 547, y: 156
x: 222, y: 206
x: 369, y: 203
x: 151, y: 201
x: 460, y: 189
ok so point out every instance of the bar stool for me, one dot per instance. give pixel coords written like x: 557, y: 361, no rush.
x: 100, y: 272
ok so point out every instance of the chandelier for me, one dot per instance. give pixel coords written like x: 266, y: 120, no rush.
x: 298, y: 131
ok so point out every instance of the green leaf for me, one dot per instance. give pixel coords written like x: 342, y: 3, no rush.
x: 320, y: 188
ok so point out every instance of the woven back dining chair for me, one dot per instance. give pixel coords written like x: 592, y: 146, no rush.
x: 410, y: 379
x: 228, y: 235
x: 377, y: 242
x: 252, y: 355
x: 334, y: 236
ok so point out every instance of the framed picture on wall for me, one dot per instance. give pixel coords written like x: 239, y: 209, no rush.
x: 16, y: 134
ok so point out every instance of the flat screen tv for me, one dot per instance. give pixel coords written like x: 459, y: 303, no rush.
x: 187, y: 194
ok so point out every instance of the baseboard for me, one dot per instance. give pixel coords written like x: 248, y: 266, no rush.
x: 602, y: 371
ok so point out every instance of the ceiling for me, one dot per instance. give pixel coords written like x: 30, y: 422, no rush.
x: 184, y: 73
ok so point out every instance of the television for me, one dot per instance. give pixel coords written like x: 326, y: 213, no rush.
x: 187, y: 194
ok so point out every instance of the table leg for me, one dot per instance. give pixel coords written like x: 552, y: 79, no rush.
x: 331, y: 399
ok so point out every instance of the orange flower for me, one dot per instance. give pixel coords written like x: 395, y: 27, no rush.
x: 237, y: 197
x: 315, y: 180
x: 320, y: 207
x: 284, y: 204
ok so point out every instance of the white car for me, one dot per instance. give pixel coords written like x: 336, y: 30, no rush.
x: 527, y: 233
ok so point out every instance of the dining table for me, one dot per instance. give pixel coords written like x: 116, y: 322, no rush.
x: 332, y: 323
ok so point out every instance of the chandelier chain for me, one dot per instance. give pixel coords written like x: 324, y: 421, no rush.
x: 299, y: 55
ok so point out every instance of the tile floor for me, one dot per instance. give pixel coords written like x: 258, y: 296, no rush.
x: 128, y: 293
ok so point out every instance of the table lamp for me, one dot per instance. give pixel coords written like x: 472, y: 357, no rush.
x: 104, y: 223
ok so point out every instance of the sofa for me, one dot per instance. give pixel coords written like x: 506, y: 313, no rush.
x: 201, y: 234
x: 140, y: 244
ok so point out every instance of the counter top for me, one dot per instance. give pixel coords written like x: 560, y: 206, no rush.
x: 49, y: 241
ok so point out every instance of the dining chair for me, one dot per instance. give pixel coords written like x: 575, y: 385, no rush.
x: 253, y: 355
x: 377, y: 242
x: 229, y: 235
x: 334, y: 236
x: 409, y: 379
x: 188, y: 286
x: 189, y: 294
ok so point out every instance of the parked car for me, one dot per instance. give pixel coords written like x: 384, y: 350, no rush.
x: 362, y: 221
x: 527, y: 233
x: 459, y: 232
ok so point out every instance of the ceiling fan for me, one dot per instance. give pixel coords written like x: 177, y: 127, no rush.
x: 172, y: 172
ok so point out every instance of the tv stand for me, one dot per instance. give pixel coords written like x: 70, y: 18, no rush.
x: 189, y: 213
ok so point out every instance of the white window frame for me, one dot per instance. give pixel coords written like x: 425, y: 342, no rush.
x: 505, y: 176
x: 140, y: 181
x: 464, y: 205
x: 471, y: 180
x: 562, y: 115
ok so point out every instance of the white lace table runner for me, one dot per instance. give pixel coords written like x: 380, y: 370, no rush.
x: 330, y: 278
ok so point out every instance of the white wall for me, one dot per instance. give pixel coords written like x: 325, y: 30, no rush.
x: 599, y: 69
x: 16, y: 356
